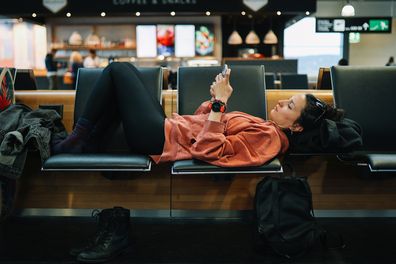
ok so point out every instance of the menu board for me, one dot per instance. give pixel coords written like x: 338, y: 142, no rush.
x: 204, y: 40
x: 166, y: 40
x: 174, y: 40
x: 146, y: 39
x: 185, y: 40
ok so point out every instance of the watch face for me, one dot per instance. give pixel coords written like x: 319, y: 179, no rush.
x: 216, y: 107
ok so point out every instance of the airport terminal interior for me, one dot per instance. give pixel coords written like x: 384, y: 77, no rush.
x: 197, y: 131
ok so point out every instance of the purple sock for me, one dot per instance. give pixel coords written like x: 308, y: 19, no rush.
x: 76, y: 141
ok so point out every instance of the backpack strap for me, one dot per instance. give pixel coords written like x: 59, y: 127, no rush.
x: 3, y: 73
x: 275, y: 199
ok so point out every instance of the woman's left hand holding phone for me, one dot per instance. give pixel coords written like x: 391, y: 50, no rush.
x: 221, y: 88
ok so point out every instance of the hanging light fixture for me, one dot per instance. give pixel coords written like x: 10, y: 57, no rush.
x: 252, y: 37
x: 348, y: 10
x: 234, y: 38
x: 270, y: 37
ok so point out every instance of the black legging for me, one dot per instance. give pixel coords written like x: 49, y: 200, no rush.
x: 120, y: 87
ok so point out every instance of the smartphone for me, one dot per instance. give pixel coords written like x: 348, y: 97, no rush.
x: 224, y: 71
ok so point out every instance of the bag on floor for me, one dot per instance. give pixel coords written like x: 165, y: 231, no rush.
x: 285, y: 219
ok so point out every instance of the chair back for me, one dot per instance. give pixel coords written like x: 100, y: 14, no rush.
x: 270, y: 80
x: 86, y: 79
x: 25, y: 80
x: 324, y: 79
x: 270, y: 65
x: 367, y: 94
x: 248, y: 83
x: 293, y: 81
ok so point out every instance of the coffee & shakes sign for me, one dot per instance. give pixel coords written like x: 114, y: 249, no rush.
x: 154, y: 2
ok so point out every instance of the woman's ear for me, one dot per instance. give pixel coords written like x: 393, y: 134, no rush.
x: 296, y: 127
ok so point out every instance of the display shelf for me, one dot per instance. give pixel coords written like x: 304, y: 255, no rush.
x: 85, y: 47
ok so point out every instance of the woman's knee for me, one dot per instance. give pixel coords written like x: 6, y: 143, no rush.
x: 115, y: 66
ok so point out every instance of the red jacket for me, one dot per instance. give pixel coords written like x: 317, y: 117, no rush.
x: 238, y: 140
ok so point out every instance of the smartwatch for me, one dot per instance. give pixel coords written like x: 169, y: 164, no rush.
x: 217, y: 106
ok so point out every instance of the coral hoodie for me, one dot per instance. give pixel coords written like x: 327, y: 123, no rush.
x: 237, y: 140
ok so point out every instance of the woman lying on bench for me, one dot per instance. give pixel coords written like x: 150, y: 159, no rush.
x: 213, y: 135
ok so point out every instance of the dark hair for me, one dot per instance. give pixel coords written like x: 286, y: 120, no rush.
x: 92, y: 51
x: 315, y: 111
x: 343, y: 62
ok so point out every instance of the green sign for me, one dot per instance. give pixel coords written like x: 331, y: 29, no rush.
x: 354, y: 24
x: 354, y: 37
x: 379, y: 25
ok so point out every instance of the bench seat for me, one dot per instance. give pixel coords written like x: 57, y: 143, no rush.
x: 249, y: 96
x: 367, y: 96
x: 97, y: 162
x: 200, y: 167
x: 115, y: 144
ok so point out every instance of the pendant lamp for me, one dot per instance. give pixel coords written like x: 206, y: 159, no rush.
x: 252, y: 37
x: 234, y: 38
x: 348, y: 10
x: 270, y: 38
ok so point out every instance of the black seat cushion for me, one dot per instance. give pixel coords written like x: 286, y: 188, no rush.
x: 200, y: 167
x: 382, y: 162
x: 97, y: 162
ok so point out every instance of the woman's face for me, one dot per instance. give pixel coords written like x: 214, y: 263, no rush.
x: 286, y: 112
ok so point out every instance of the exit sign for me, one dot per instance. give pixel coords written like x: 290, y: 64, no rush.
x: 379, y: 25
x: 354, y: 24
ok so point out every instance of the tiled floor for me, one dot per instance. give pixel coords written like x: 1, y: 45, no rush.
x: 47, y: 240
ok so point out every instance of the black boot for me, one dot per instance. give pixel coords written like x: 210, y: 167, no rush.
x: 112, y: 242
x: 102, y: 222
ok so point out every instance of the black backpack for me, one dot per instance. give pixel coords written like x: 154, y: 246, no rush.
x: 285, y: 219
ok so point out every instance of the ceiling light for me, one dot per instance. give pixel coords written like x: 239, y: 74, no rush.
x: 34, y: 15
x: 68, y: 14
x: 307, y: 13
x: 234, y: 38
x: 207, y: 13
x: 348, y: 10
x: 243, y: 13
x: 173, y: 13
x: 137, y: 13
x: 278, y: 13
x: 270, y: 38
x: 103, y: 14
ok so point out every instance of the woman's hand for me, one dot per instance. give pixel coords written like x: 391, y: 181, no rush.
x: 221, y: 88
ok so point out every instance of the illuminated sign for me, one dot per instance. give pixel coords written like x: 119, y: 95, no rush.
x: 354, y: 24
